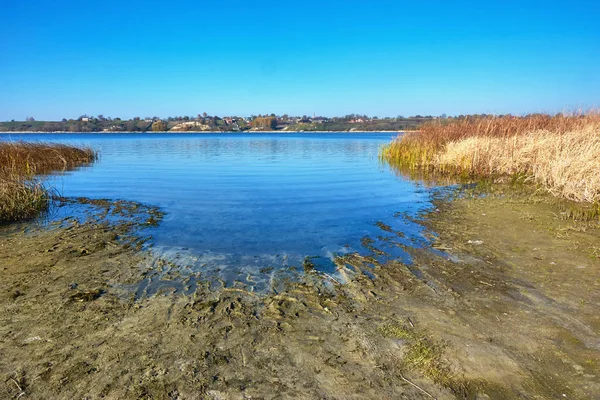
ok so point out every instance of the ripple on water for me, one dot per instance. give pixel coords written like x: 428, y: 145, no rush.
x: 236, y: 205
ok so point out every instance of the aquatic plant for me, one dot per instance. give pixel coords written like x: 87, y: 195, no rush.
x: 21, y: 194
x: 27, y: 159
x: 560, y: 153
x: 21, y: 199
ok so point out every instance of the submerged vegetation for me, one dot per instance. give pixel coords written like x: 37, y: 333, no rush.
x: 21, y: 195
x: 560, y: 153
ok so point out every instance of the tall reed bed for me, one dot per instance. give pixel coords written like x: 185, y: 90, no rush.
x: 561, y: 153
x: 21, y: 194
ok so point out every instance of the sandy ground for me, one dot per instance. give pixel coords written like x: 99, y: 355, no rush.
x: 506, y: 307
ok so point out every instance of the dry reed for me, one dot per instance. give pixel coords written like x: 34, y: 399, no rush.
x: 561, y: 153
x: 21, y: 195
x: 21, y: 199
x: 28, y: 159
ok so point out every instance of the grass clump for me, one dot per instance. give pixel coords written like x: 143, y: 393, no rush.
x: 21, y: 199
x: 425, y: 355
x: 28, y: 159
x: 422, y: 352
x: 560, y: 153
x: 22, y: 196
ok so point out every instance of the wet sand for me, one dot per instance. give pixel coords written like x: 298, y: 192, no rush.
x: 506, y: 307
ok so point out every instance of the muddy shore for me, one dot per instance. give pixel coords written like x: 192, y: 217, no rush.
x: 504, y: 305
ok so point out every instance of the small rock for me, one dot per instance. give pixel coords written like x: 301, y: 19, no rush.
x: 476, y: 242
x: 87, y: 296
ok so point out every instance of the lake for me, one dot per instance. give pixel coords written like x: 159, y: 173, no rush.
x: 237, y: 204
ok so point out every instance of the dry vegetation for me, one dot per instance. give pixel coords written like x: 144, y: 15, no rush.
x: 561, y: 153
x: 21, y: 195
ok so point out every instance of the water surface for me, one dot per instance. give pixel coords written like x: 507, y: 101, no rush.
x: 238, y: 203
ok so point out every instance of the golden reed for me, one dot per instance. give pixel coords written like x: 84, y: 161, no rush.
x: 21, y: 195
x: 561, y: 152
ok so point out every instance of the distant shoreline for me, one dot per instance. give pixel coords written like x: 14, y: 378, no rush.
x: 195, y: 132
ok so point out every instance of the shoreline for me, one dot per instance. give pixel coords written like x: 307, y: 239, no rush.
x: 193, y: 132
x: 490, y: 314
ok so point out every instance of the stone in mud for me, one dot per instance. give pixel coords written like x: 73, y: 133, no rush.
x: 87, y: 296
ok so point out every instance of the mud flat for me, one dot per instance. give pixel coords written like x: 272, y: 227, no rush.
x: 503, y: 306
x: 521, y: 285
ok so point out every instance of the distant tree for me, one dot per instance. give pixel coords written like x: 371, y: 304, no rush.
x: 267, y: 123
x: 63, y: 120
x: 159, y: 126
x: 52, y: 126
x: 131, y: 126
x: 204, y: 114
x: 30, y: 119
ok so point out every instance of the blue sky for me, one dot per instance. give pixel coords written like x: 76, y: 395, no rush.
x: 385, y: 58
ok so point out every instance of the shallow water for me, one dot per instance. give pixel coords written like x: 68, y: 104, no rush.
x: 243, y: 202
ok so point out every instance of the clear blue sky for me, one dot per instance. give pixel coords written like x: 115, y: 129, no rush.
x: 385, y: 58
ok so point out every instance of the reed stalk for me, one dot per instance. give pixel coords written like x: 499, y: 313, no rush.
x: 561, y: 153
x: 22, y: 194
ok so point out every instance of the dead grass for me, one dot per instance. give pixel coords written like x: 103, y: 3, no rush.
x: 426, y: 355
x: 560, y: 153
x: 28, y: 159
x: 21, y: 195
x: 21, y: 199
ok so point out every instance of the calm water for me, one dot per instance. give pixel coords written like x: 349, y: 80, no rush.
x: 241, y: 202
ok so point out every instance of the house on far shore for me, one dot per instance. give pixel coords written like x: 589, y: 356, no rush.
x: 85, y: 119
